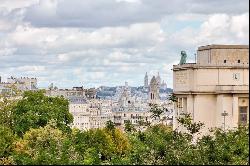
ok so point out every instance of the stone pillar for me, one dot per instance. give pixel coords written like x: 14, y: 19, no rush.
x: 176, y: 113
x: 190, y: 105
x: 235, y: 113
x: 219, y: 110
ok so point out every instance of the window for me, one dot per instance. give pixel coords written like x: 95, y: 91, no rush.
x: 242, y: 115
x: 225, y: 61
x: 238, y: 61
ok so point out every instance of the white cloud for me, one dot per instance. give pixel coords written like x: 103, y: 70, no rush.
x: 95, y: 13
x: 216, y: 29
x: 87, y: 43
x: 225, y: 28
x: 5, y: 25
x: 240, y: 25
x: 15, y: 4
x: 7, y: 51
x: 31, y: 68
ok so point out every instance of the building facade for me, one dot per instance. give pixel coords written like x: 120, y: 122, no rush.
x: 215, y: 90
x: 79, y: 108
x: 154, y: 90
x: 22, y: 83
x: 146, y: 80
x: 66, y: 93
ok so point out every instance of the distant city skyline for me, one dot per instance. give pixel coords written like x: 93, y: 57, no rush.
x: 87, y: 86
x: 92, y: 43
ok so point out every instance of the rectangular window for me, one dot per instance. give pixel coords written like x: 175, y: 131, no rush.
x: 243, y: 115
x: 225, y: 61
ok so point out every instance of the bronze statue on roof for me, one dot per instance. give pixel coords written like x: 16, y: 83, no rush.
x: 183, y: 58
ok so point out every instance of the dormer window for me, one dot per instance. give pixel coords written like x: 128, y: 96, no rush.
x: 225, y: 61
x: 238, y: 61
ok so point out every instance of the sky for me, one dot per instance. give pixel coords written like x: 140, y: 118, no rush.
x: 107, y: 42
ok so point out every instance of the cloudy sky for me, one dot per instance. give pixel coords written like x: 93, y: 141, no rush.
x: 108, y: 42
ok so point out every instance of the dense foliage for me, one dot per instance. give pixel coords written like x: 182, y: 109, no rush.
x: 33, y: 111
x: 35, y: 131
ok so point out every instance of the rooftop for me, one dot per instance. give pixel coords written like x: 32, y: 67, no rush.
x: 77, y: 100
x: 215, y: 46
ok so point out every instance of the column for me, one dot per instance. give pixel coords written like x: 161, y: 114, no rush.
x: 235, y: 113
x: 219, y: 110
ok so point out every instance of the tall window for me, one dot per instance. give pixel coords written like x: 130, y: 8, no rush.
x: 243, y: 115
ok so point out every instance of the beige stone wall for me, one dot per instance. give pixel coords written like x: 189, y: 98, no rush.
x: 231, y: 56
x: 203, y: 57
x: 246, y: 76
x: 231, y: 77
x: 182, y: 80
x: 217, y: 57
x: 205, y: 110
x: 208, y: 109
x: 230, y: 103
x: 208, y: 79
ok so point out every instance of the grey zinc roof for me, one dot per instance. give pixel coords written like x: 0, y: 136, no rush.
x: 77, y: 100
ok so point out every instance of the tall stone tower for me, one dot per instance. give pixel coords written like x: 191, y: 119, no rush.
x: 146, y: 80
x: 158, y: 79
x: 153, y: 91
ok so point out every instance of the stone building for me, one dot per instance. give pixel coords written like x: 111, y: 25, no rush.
x: 22, y: 83
x: 101, y: 112
x: 90, y: 93
x: 158, y: 79
x: 154, y: 91
x: 129, y: 108
x: 79, y: 108
x: 66, y: 93
x: 215, y: 90
x: 146, y: 80
x: 91, y: 113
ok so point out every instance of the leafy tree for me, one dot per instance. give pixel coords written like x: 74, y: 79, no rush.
x: 158, y: 112
x: 96, y: 142
x: 192, y: 127
x: 172, y: 98
x: 6, y: 110
x: 139, y: 151
x: 43, y: 139
x: 230, y: 147
x: 110, y: 125
x: 92, y: 157
x: 120, y: 141
x: 129, y: 127
x: 46, y: 145
x: 6, y: 139
x: 35, y: 110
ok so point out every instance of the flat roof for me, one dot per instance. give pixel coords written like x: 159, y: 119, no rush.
x: 217, y: 46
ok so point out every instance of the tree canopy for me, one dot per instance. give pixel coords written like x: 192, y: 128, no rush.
x: 41, y: 136
x: 36, y: 110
